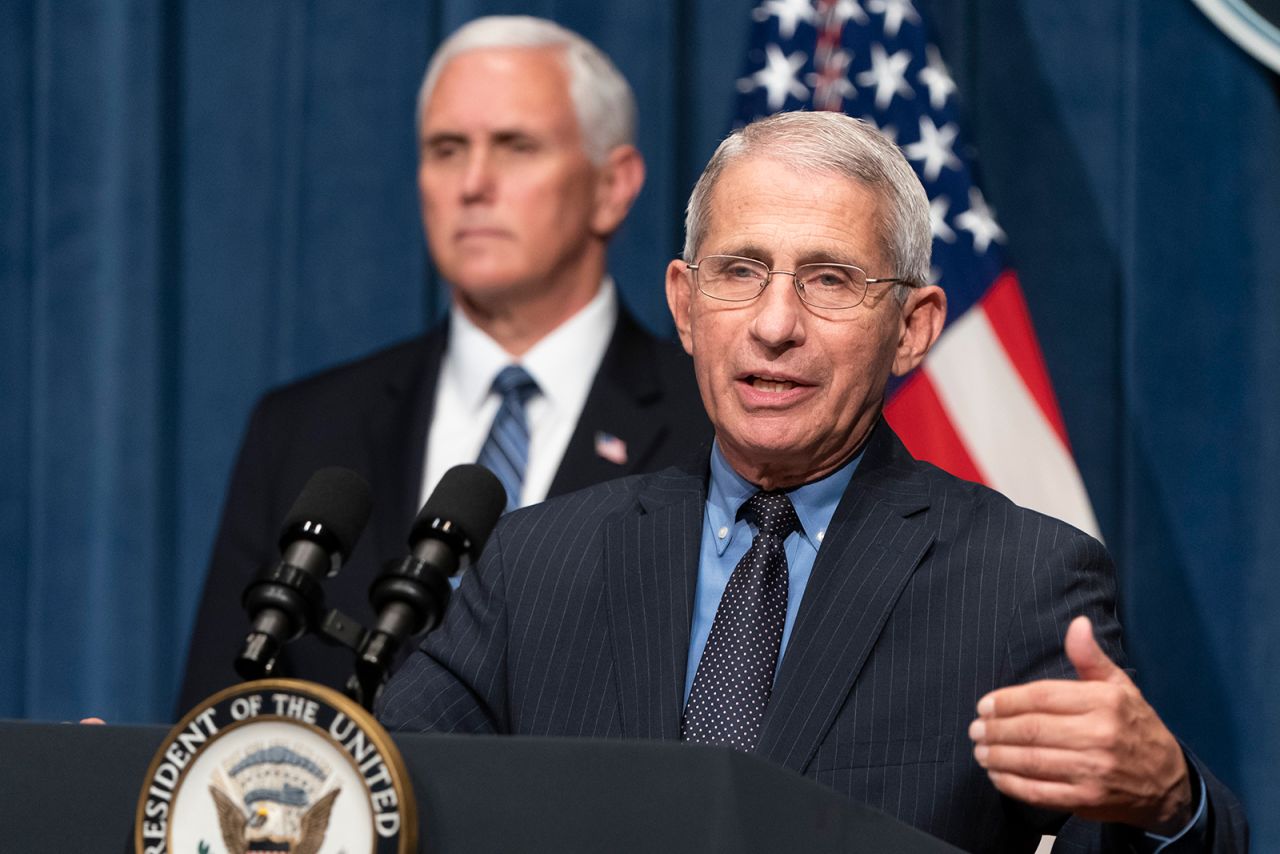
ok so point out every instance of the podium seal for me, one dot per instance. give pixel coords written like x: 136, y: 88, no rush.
x: 276, y: 765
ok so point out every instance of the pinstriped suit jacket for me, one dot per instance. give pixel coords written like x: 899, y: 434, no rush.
x: 928, y: 592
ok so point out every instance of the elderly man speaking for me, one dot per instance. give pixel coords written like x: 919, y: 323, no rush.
x: 808, y: 591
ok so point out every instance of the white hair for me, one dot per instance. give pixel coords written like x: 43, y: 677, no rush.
x: 602, y: 98
x: 828, y: 143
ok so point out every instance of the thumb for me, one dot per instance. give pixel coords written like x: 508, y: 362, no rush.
x: 1090, y: 662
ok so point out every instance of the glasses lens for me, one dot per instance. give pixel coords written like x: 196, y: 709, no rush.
x: 731, y: 278
x: 831, y: 285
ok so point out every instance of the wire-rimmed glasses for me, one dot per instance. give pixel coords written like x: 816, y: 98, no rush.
x: 822, y: 285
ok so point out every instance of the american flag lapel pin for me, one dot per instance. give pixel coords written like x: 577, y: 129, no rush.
x: 611, y: 448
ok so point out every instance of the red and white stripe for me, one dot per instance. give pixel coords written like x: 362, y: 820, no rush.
x: 982, y: 407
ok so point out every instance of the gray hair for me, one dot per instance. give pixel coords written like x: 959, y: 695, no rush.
x: 602, y: 98
x: 826, y: 143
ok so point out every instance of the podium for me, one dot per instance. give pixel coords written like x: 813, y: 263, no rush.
x: 67, y: 787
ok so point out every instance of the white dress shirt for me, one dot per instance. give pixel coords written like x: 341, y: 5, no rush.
x: 563, y: 364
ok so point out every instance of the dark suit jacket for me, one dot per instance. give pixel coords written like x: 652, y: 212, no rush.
x: 928, y: 592
x: 372, y: 416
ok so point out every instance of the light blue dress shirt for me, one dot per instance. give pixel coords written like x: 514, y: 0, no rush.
x: 725, y: 539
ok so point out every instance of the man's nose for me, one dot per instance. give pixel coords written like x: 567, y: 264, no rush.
x: 477, y: 179
x: 779, y: 315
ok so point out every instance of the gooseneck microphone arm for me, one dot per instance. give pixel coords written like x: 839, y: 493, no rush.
x: 411, y: 594
x: 285, y: 599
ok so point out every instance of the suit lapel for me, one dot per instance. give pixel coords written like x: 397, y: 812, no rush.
x: 396, y: 435
x: 619, y: 405
x: 651, y: 568
x: 876, y: 539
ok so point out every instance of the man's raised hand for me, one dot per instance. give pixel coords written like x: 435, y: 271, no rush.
x: 1093, y: 747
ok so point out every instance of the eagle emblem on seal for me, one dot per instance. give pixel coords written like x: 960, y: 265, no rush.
x: 273, y: 798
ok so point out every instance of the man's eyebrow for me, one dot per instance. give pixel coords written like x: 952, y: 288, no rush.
x: 503, y: 135
x: 745, y: 250
x: 443, y: 136
x: 765, y: 255
x: 831, y: 258
x: 499, y: 135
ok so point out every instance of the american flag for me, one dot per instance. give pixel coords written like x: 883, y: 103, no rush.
x: 611, y: 448
x: 982, y: 405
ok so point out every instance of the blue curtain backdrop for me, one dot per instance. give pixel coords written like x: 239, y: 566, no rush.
x: 198, y: 201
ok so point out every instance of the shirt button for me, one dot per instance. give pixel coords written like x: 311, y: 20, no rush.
x: 723, y: 532
x: 820, y: 535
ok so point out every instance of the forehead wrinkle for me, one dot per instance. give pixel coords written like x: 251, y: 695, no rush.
x: 484, y: 73
x: 814, y: 217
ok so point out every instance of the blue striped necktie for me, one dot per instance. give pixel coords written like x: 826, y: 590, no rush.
x: 506, y: 450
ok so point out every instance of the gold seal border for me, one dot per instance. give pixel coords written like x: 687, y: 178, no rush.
x: 376, y: 733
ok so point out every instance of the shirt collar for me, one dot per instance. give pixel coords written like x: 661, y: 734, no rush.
x: 555, y: 362
x: 815, y: 502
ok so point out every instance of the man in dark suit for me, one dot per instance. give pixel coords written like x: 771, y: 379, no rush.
x: 809, y: 591
x: 527, y: 168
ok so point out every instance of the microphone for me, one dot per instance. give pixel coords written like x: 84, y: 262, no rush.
x: 285, y: 599
x: 411, y: 594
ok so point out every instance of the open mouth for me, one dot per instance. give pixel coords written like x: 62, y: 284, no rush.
x: 771, y: 384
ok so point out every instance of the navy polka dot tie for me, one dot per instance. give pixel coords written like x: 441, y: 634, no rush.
x: 735, y: 676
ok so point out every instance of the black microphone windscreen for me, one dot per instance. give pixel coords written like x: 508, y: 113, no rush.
x: 470, y: 498
x: 338, y: 499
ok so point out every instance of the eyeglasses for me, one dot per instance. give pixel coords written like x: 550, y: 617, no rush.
x: 833, y: 286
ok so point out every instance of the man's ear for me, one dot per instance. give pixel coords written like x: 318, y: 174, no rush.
x: 923, y: 315
x: 679, y: 295
x: 617, y: 184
